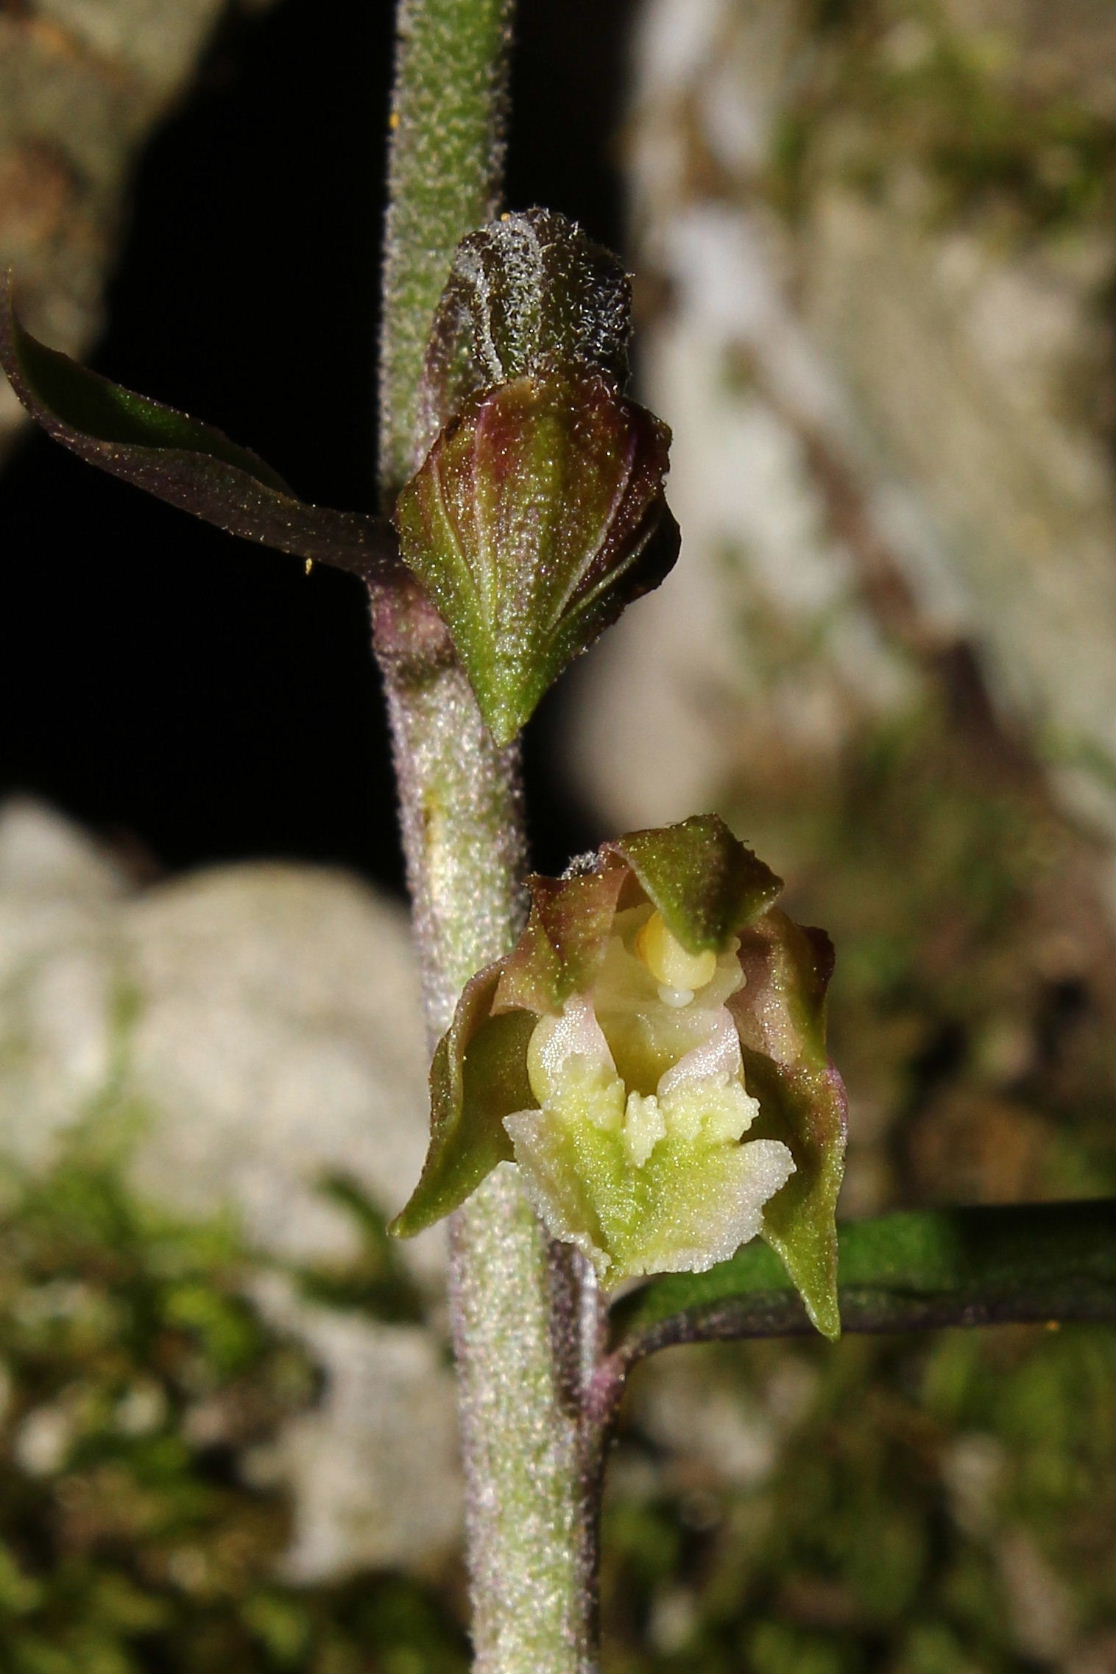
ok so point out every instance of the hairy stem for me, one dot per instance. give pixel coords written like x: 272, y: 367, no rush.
x: 445, y: 179
x: 526, y: 1324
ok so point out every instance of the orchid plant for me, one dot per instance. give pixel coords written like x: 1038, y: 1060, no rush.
x: 629, y: 1075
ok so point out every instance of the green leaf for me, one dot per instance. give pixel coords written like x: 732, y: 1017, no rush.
x: 176, y: 458
x: 703, y: 880
x: 910, y: 1271
x: 478, y: 1077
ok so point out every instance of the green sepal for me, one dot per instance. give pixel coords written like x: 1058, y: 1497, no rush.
x: 477, y: 1077
x: 703, y: 880
x: 178, y: 459
x: 535, y: 518
x: 780, y: 1018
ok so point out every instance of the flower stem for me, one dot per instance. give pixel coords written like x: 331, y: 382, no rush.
x: 526, y: 1325
x: 445, y: 179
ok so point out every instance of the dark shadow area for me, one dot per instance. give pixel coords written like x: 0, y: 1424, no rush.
x: 192, y: 696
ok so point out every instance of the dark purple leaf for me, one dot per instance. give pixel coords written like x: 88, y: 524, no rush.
x: 178, y: 459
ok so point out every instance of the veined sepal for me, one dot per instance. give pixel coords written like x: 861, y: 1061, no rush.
x: 536, y: 517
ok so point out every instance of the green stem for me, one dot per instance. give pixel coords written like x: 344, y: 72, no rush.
x: 524, y: 1355
x: 530, y: 1457
x: 445, y: 179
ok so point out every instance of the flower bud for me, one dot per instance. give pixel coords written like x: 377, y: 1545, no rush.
x: 652, y: 1057
x: 538, y: 512
x: 537, y: 515
x: 528, y: 294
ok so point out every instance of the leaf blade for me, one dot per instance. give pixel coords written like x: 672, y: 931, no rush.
x: 907, y: 1271
x: 188, y: 464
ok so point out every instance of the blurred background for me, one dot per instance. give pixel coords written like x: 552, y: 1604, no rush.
x: 873, y: 280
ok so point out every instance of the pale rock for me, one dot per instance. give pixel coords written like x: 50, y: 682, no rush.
x: 248, y: 1029
x: 374, y: 1469
x: 700, y: 1417
x: 281, y: 1001
x: 870, y: 401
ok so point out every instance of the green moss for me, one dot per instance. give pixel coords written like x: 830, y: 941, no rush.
x: 864, y: 113
x: 862, y: 1551
x: 376, y: 1280
x: 138, y: 1377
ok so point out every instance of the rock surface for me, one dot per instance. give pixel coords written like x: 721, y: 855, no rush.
x: 82, y: 85
x: 246, y: 1032
x: 874, y: 252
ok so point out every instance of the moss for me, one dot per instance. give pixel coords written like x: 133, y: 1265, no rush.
x: 375, y: 1281
x: 865, y: 112
x: 138, y: 1380
x: 864, y: 1551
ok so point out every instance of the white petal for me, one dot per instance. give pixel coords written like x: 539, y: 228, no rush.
x: 718, y: 1054
x: 562, y: 1202
x: 733, y: 1216
x: 557, y: 1039
x: 644, y: 1126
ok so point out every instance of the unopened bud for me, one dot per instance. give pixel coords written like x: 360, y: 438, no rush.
x: 538, y: 512
x: 536, y: 517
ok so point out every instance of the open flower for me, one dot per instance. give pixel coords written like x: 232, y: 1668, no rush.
x: 635, y: 1153
x: 652, y: 1056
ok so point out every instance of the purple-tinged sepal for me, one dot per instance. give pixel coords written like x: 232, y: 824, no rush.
x: 780, y: 1019
x: 536, y: 517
